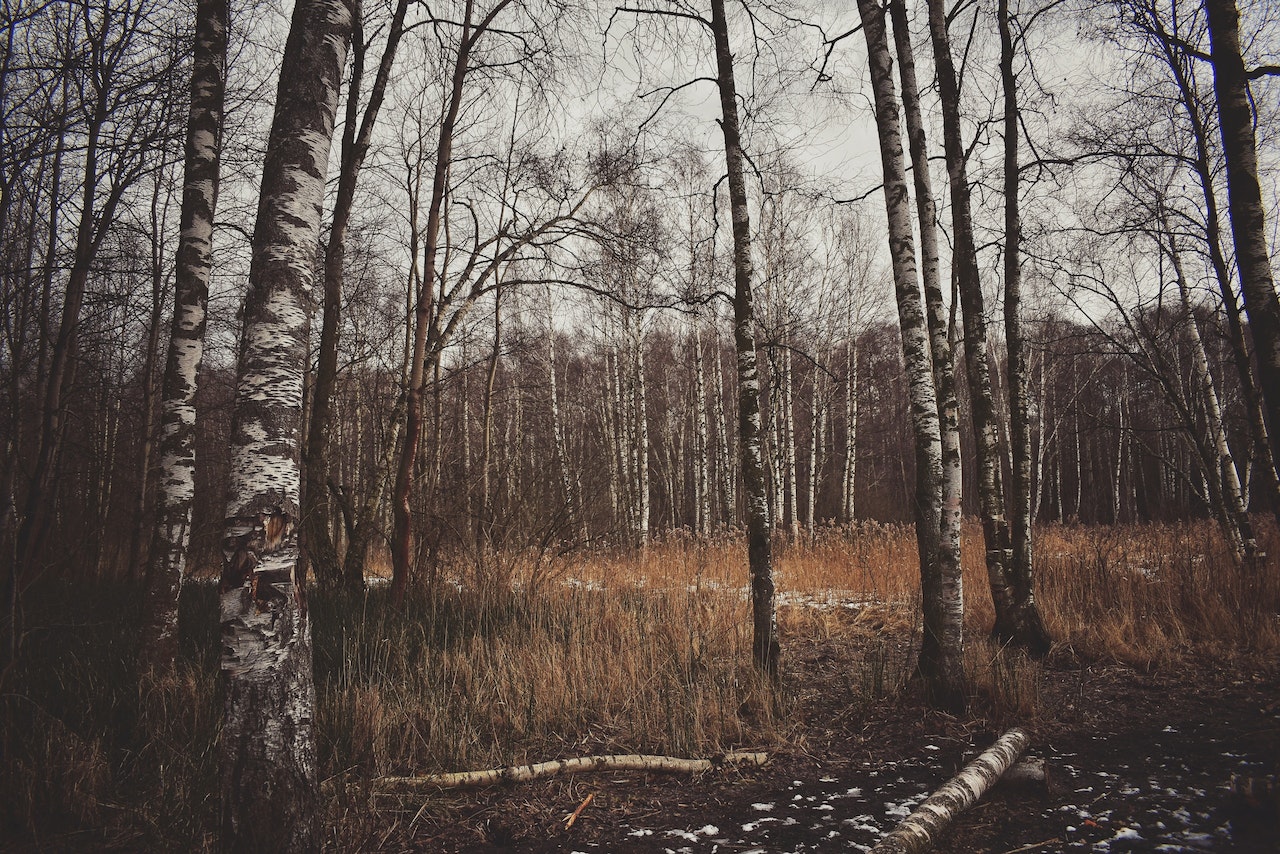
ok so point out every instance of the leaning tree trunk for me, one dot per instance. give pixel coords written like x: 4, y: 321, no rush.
x: 186, y: 335
x: 764, y: 647
x: 269, y: 787
x: 1244, y: 200
x: 1028, y: 626
x: 1010, y: 627
x: 941, y: 660
x: 942, y: 587
x: 1222, y: 274
x: 1238, y: 526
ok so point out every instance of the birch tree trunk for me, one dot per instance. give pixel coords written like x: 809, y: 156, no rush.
x: 1238, y: 528
x: 1240, y: 355
x: 701, y: 448
x: 942, y: 585
x: 986, y: 427
x: 941, y: 657
x: 1027, y: 624
x: 269, y: 786
x: 728, y: 478
x: 848, y: 495
x: 640, y: 446
x: 764, y: 647
x: 1244, y: 200
x: 186, y: 335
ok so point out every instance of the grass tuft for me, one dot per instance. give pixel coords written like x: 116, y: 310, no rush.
x: 531, y: 658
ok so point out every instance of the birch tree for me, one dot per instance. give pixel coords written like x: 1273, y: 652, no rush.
x: 764, y: 647
x: 1017, y: 620
x: 1027, y: 624
x: 942, y: 588
x: 941, y: 660
x: 186, y: 335
x: 1244, y: 200
x: 269, y: 785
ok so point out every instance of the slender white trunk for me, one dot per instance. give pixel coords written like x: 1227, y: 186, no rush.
x: 1238, y: 527
x: 186, y: 335
x: 849, y: 480
x: 701, y: 450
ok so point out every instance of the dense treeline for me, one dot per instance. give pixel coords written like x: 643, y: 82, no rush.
x: 1107, y: 446
x: 555, y: 417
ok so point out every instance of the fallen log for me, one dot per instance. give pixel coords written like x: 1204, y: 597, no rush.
x: 524, y: 773
x: 918, y: 831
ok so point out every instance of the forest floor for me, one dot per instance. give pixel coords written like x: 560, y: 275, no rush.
x: 1136, y: 761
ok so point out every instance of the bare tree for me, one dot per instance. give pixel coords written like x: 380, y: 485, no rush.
x: 941, y: 662
x: 357, y: 136
x: 186, y: 334
x: 269, y: 785
x: 1016, y: 618
x: 1244, y: 198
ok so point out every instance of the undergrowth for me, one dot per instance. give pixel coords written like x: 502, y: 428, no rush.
x: 610, y: 652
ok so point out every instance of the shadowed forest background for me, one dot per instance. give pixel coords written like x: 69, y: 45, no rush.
x: 525, y: 262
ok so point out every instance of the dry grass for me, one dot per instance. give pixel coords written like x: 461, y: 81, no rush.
x: 529, y: 658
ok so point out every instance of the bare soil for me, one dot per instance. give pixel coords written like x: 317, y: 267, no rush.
x: 1137, y: 761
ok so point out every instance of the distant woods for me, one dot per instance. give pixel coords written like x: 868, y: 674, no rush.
x: 542, y: 304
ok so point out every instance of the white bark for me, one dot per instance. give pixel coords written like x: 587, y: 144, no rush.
x: 919, y: 831
x: 269, y: 762
x: 525, y: 773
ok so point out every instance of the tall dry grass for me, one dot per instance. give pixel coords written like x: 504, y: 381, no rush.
x: 525, y: 657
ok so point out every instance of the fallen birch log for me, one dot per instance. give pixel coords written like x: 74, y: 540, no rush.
x: 524, y: 773
x: 918, y: 831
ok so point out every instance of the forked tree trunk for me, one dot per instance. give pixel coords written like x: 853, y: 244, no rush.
x: 942, y: 587
x: 269, y: 786
x: 764, y: 647
x: 941, y: 658
x: 1244, y: 198
x: 402, y: 538
x: 1010, y: 625
x: 1027, y: 624
x: 186, y: 335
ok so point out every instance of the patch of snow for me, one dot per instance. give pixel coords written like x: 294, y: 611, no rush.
x: 762, y: 807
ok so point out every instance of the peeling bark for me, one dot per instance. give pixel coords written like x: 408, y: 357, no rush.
x: 269, y: 787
